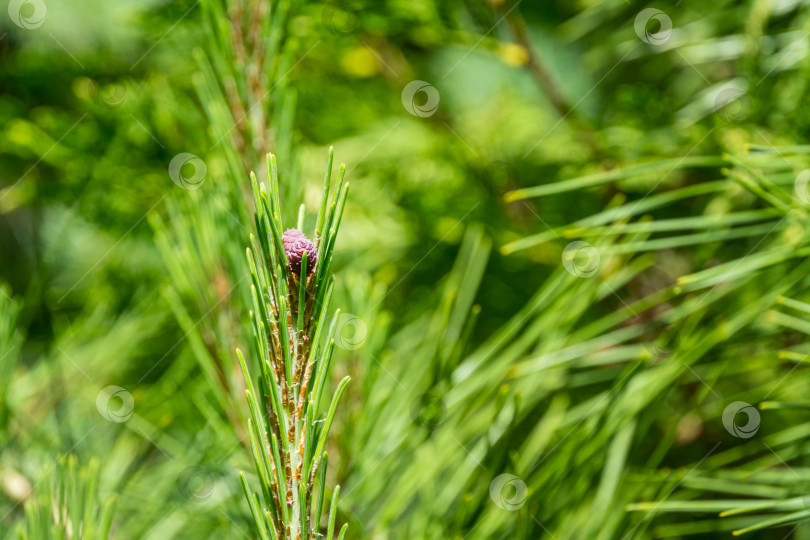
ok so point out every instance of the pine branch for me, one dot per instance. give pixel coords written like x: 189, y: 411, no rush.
x: 291, y: 290
x: 69, y: 505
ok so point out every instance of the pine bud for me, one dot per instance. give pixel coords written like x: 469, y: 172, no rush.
x: 295, y: 245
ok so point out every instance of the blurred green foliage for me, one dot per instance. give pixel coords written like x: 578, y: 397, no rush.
x: 674, y: 155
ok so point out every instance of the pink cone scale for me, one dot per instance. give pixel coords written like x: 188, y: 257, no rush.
x: 295, y: 245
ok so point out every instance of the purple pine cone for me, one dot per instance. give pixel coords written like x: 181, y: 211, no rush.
x: 295, y: 244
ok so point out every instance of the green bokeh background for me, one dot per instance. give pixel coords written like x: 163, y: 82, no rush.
x: 476, y: 355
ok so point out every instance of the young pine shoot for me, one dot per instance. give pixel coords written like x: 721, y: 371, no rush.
x: 291, y: 289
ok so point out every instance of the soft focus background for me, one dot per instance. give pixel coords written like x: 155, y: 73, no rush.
x: 573, y: 265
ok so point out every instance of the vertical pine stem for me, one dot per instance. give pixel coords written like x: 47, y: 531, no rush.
x: 291, y: 289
